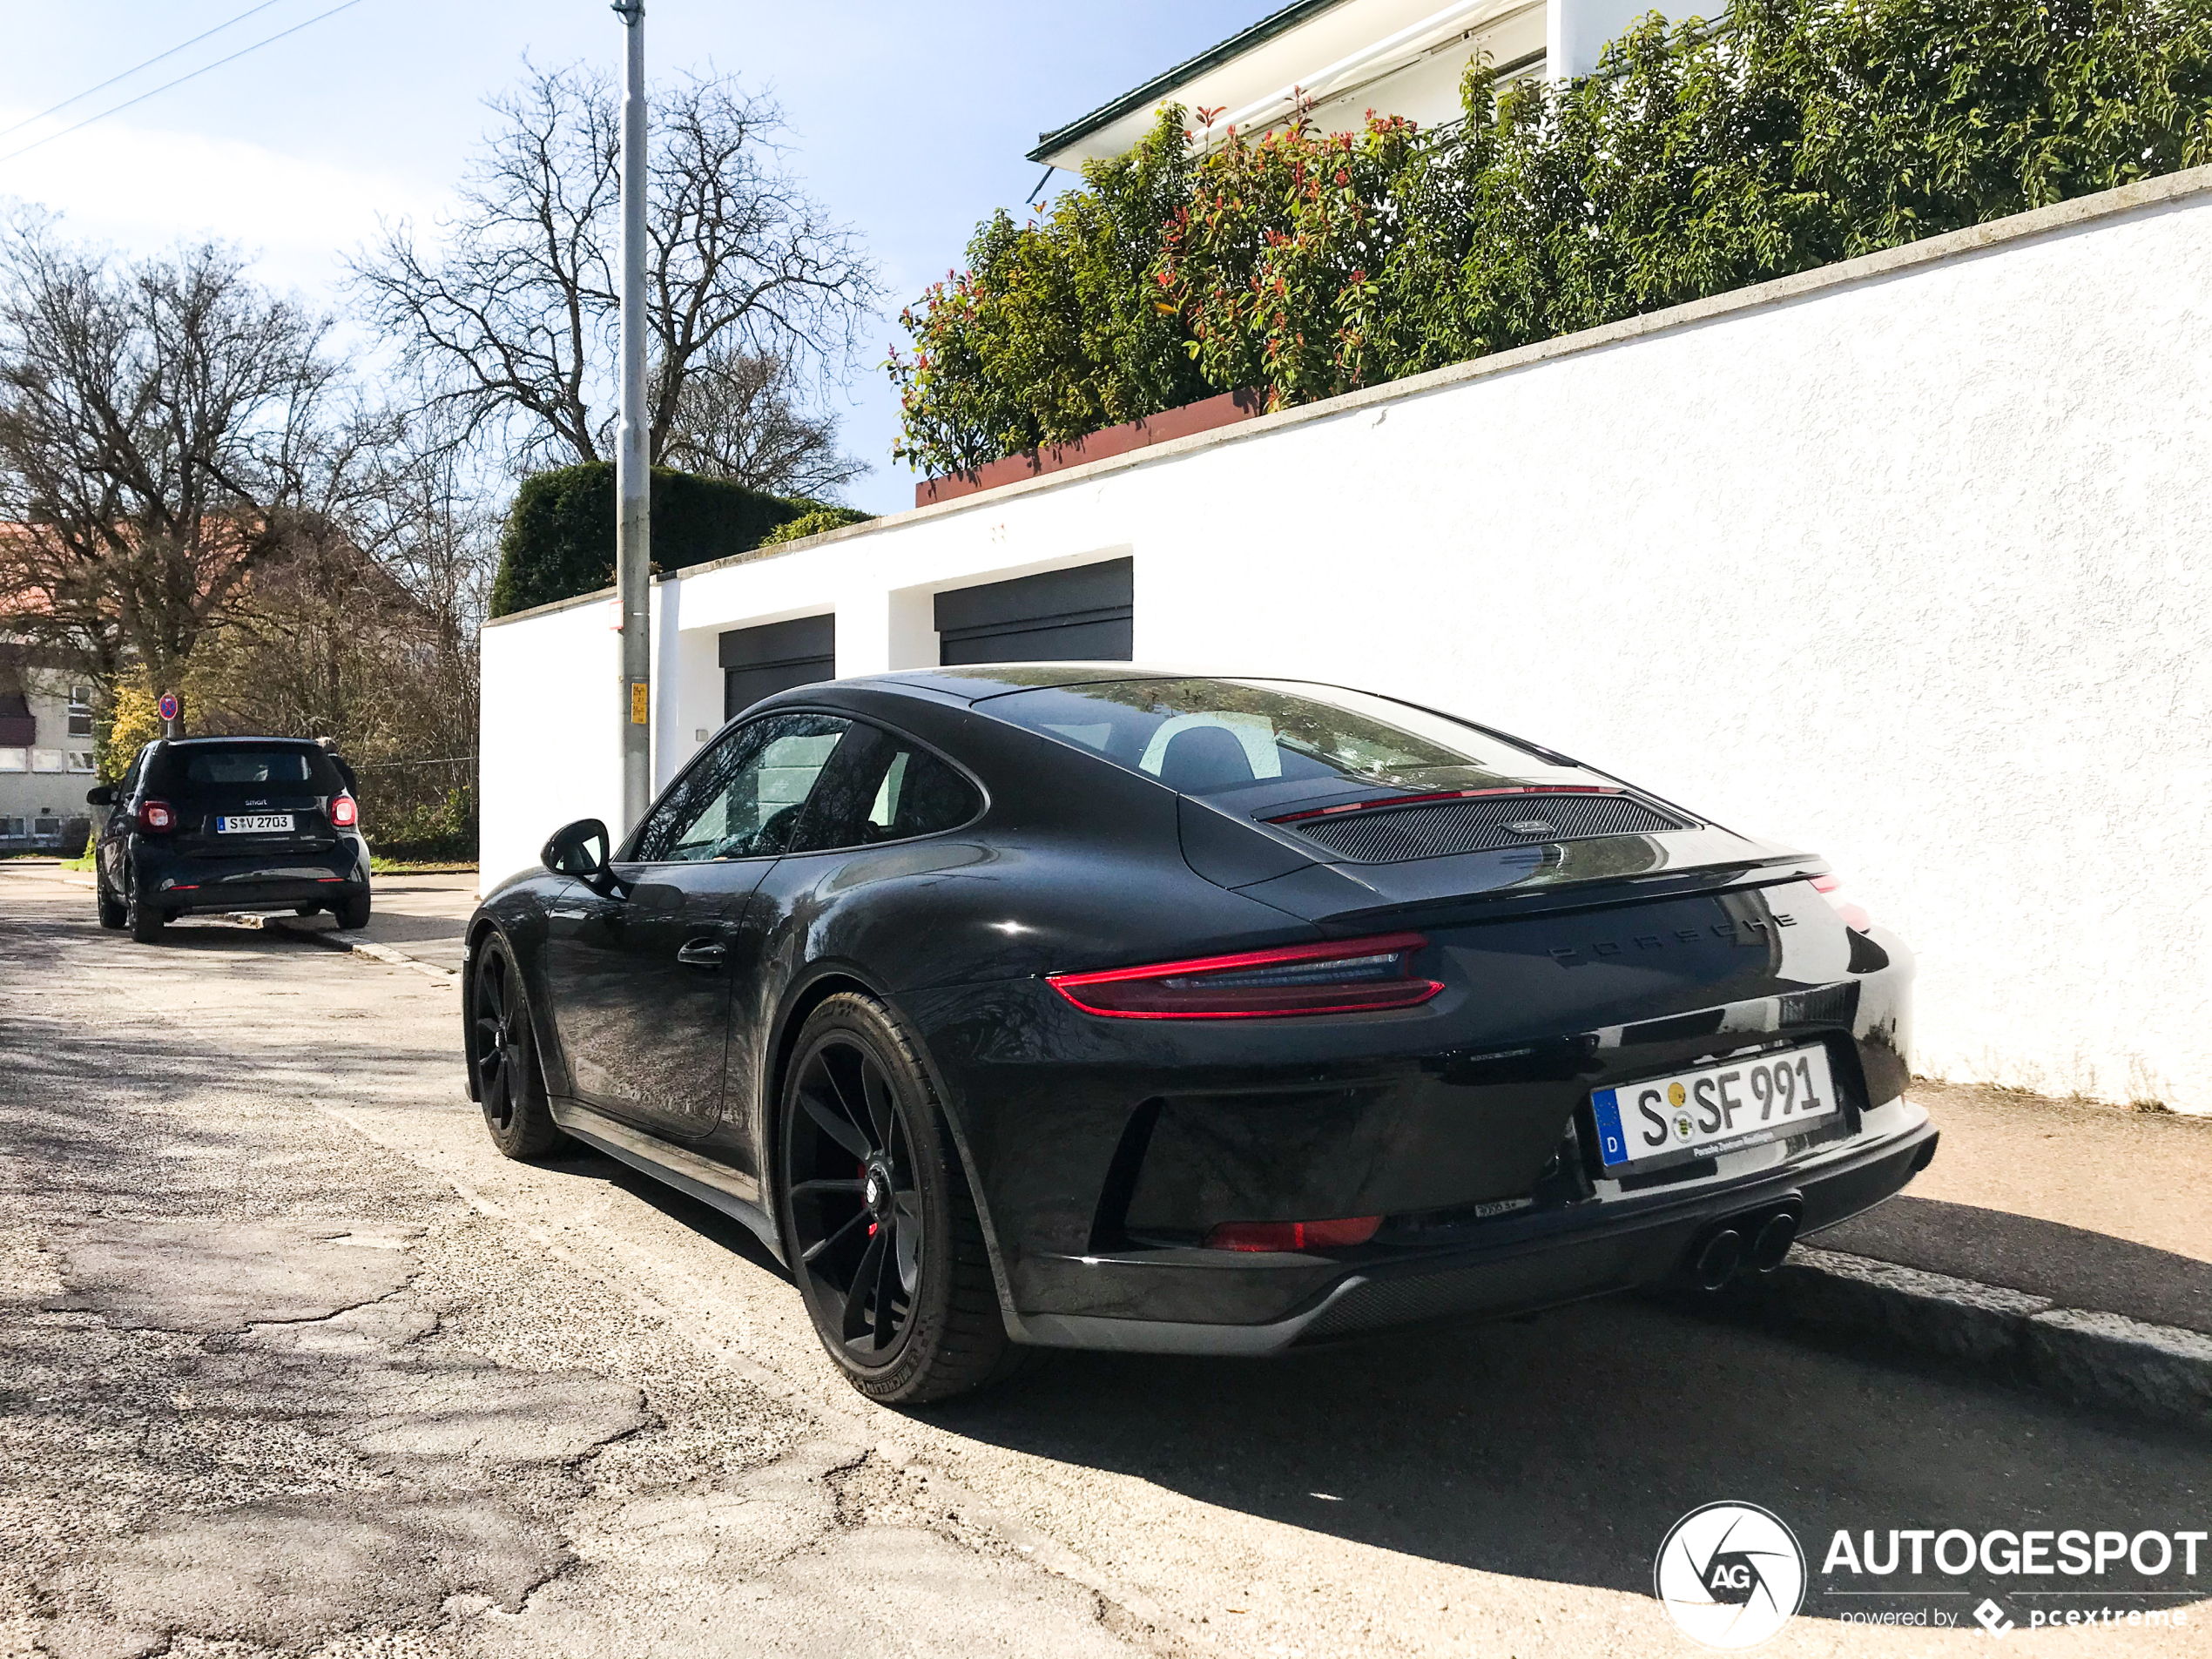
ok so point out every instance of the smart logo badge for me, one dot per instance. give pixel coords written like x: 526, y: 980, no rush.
x: 1730, y: 1574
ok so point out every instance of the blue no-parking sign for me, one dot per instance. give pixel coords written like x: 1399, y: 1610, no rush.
x: 168, y: 706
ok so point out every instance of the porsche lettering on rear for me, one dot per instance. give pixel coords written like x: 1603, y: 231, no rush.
x: 1752, y: 930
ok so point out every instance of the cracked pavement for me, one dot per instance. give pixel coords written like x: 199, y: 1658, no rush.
x: 292, y: 1361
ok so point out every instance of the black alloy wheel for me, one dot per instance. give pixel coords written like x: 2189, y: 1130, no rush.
x: 882, y: 1234
x: 855, y: 1204
x: 509, y: 1084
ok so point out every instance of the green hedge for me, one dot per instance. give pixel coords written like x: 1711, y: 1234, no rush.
x: 1696, y: 160
x: 559, y: 541
x: 816, y: 522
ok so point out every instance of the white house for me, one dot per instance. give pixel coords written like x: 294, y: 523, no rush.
x: 1342, y: 59
x: 46, y: 754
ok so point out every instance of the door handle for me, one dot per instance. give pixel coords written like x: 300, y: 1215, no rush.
x: 702, y: 952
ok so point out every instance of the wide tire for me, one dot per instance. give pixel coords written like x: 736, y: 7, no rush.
x: 145, y: 921
x: 877, y: 1222
x: 352, y: 913
x: 114, y: 912
x: 510, y: 1085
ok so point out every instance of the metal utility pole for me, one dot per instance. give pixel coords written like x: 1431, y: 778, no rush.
x: 633, y: 477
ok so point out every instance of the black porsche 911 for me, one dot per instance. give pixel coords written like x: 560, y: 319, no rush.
x: 1083, y: 1005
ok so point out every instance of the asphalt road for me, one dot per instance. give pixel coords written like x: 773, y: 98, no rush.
x: 290, y: 1360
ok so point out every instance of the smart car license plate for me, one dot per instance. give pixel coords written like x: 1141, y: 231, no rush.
x: 254, y: 824
x: 1715, y: 1109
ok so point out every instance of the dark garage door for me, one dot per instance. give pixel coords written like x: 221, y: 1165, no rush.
x: 759, y: 662
x: 1079, y: 616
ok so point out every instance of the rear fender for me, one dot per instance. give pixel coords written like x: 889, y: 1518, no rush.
x: 824, y: 979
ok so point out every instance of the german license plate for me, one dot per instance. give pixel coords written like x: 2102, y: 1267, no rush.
x: 1715, y: 1109
x: 254, y: 824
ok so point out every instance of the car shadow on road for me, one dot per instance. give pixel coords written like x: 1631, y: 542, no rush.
x: 1564, y: 1445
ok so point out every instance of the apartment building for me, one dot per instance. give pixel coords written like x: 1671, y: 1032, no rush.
x: 46, y: 754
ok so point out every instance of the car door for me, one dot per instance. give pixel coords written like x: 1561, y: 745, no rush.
x: 881, y: 792
x: 639, y: 967
x: 113, y: 846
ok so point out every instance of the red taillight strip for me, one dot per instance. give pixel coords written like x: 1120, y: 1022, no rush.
x: 1408, y: 992
x: 1445, y: 794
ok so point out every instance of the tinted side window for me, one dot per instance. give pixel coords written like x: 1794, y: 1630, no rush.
x: 745, y: 798
x: 885, y: 788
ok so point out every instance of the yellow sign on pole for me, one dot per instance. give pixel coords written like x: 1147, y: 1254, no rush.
x: 637, y: 702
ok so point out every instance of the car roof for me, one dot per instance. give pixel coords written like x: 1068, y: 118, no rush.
x: 194, y: 743
x: 973, y: 684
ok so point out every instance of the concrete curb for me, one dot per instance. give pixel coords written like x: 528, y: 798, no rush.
x: 2079, y: 1354
x: 338, y: 941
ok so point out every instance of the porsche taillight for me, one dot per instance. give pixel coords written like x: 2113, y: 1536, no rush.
x: 157, y: 817
x: 344, y: 813
x: 1855, y: 916
x: 1340, y: 976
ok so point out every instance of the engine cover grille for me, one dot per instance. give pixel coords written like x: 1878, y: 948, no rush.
x: 1393, y: 834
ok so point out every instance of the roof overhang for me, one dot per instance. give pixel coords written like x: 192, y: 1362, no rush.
x: 1317, y: 48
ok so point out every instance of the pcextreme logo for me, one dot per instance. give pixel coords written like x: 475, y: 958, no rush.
x: 1730, y: 1574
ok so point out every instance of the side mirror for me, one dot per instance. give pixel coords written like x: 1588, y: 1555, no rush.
x: 580, y: 849
x: 104, y: 796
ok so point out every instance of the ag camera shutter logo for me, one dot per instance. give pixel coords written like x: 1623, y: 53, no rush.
x: 1729, y: 1575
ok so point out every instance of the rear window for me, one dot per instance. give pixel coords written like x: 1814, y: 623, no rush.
x: 1205, y: 737
x: 277, y: 767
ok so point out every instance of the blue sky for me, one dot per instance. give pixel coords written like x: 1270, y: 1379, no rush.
x: 909, y: 122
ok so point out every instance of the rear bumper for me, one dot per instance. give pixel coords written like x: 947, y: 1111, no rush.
x: 1540, y: 1261
x: 183, y: 886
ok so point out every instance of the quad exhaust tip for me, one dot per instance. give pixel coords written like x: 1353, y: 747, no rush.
x: 1757, y: 1241
x: 1718, y: 1259
x: 1771, y: 1243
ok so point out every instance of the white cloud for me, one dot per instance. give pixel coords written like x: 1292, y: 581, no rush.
x: 144, y: 189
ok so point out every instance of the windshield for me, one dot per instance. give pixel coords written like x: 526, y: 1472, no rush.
x: 1203, y: 736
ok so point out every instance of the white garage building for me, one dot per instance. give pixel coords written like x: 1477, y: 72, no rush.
x: 1901, y: 561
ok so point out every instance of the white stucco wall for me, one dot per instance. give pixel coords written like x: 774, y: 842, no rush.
x: 1898, y: 561
x: 552, y: 736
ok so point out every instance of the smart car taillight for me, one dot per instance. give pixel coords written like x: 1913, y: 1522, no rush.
x: 1855, y: 916
x: 157, y: 817
x: 1340, y: 976
x: 1294, y: 1235
x: 343, y: 812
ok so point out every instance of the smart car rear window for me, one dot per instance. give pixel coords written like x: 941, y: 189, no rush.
x: 1204, y: 736
x: 245, y: 764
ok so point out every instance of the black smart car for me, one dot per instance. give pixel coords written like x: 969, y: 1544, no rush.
x: 230, y: 823
x: 1079, y: 1006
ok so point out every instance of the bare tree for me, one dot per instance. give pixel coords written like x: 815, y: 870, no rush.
x: 167, y: 429
x: 512, y: 318
x: 742, y: 415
